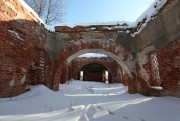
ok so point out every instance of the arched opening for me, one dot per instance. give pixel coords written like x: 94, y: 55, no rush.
x: 94, y: 72
x: 116, y: 52
x: 107, y: 53
x: 110, y: 74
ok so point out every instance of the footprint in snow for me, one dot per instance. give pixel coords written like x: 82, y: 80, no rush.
x: 110, y: 112
x: 125, y: 117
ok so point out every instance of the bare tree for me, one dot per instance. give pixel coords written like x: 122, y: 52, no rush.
x: 62, y: 6
x: 51, y: 11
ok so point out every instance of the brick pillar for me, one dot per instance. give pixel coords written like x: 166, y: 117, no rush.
x: 69, y: 72
x: 56, y: 76
x: 141, y: 84
x: 64, y: 74
x: 143, y: 87
x: 125, y: 79
x: 131, y: 86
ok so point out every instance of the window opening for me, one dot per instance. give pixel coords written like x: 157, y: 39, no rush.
x: 154, y: 67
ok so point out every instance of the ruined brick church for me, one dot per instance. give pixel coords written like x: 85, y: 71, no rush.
x: 31, y: 54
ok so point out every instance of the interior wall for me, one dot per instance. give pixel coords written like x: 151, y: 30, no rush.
x: 23, y: 59
x: 160, y: 36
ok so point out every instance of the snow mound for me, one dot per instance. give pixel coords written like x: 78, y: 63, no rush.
x: 40, y: 89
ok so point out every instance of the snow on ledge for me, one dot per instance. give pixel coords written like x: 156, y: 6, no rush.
x: 149, y: 14
x: 156, y: 87
x: 121, y: 24
x: 146, y: 16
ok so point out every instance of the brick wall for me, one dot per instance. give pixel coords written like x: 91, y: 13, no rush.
x: 160, y: 36
x: 169, y: 69
x: 22, y: 55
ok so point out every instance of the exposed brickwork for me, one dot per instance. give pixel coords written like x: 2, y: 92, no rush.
x: 125, y: 79
x: 64, y: 74
x: 22, y: 54
x: 70, y: 50
x: 169, y: 72
x: 164, y: 41
x: 169, y: 69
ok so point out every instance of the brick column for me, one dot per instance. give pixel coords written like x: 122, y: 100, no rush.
x: 64, y: 74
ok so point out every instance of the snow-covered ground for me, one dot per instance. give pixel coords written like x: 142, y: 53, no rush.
x: 88, y: 101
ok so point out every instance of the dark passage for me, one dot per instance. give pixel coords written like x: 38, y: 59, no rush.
x: 93, y: 72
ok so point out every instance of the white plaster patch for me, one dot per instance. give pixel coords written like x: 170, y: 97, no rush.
x: 12, y: 83
x: 77, y: 42
x: 120, y: 55
x: 23, y: 79
x: 138, y: 87
x: 130, y: 63
x: 15, y: 34
x: 32, y: 63
x: 41, y: 64
x: 179, y: 82
x: 143, y: 59
x: 107, y: 45
x: 23, y: 70
x: 10, y: 68
x: 116, y: 48
x: 144, y: 74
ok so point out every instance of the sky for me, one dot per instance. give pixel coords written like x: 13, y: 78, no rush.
x: 98, y: 55
x: 93, y: 11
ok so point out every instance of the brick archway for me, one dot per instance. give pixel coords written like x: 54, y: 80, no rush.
x: 73, y: 49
